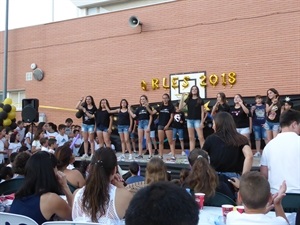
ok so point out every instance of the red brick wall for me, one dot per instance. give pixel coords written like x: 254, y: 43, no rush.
x: 103, y: 57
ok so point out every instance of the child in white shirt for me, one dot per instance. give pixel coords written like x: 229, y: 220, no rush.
x: 61, y: 138
x: 257, y: 199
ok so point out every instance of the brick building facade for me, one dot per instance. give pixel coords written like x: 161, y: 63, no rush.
x: 104, y: 57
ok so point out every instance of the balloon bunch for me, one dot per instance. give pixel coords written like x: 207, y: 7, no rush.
x: 8, y: 114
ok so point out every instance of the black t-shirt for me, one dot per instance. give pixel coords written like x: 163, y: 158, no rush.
x: 102, y: 118
x: 85, y: 119
x: 240, y: 118
x: 194, y: 108
x: 142, y: 113
x: 224, y: 158
x: 165, y: 112
x: 123, y: 118
x: 178, y: 120
x: 223, y: 108
x: 274, y: 114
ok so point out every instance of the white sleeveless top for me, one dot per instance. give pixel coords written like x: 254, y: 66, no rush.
x: 111, y: 216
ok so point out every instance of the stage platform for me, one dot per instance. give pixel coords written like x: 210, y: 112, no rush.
x: 173, y: 167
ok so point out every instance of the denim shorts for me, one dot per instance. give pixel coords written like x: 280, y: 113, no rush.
x: 271, y: 126
x: 259, y: 132
x: 88, y: 128
x: 123, y: 129
x: 143, y: 124
x: 179, y: 132
x: 160, y: 127
x: 193, y: 123
x: 244, y: 130
x: 102, y: 128
x: 133, y: 135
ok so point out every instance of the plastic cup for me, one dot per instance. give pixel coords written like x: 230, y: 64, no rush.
x: 226, y: 209
x: 240, y: 209
x: 199, y: 197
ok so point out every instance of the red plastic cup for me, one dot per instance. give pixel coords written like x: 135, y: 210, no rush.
x: 199, y: 197
x: 226, y: 209
x: 240, y: 209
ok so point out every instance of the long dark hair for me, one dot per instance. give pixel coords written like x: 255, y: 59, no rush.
x: 63, y: 155
x: 96, y: 193
x: 93, y: 102
x: 190, y: 96
x: 107, y: 104
x: 145, y: 96
x: 124, y: 101
x: 269, y: 101
x: 223, y: 97
x: 226, y: 130
x: 39, y: 176
x: 203, y: 177
x: 37, y: 134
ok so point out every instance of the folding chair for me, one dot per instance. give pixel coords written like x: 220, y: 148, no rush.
x: 69, y: 223
x: 10, y: 186
x: 218, y: 200
x: 15, y: 219
x: 291, y: 202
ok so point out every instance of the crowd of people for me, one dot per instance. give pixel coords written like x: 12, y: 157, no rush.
x: 43, y: 156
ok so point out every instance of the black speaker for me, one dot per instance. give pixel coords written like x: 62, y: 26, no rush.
x: 30, y: 110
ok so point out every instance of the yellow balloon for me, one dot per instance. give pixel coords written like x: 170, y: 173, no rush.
x: 11, y: 115
x: 13, y: 108
x: 6, y: 122
x: 7, y: 101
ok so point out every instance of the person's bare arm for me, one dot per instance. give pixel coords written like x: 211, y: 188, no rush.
x: 277, y: 198
x: 248, y: 158
x: 78, y: 105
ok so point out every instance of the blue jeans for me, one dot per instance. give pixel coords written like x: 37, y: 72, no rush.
x: 271, y: 126
x: 123, y: 129
x: 179, y: 132
x: 88, y: 128
x: 259, y: 132
x: 193, y: 123
x: 143, y: 124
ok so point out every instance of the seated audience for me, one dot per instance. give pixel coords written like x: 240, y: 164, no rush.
x: 14, y: 143
x: 162, y: 203
x: 65, y: 157
x: 38, y: 197
x: 282, y: 154
x: 12, y: 158
x: 103, y: 199
x: 229, y: 151
x: 203, y: 178
x: 156, y: 170
x: 6, y: 173
x: 134, y: 169
x: 184, y: 173
x: 19, y: 164
x: 256, y: 197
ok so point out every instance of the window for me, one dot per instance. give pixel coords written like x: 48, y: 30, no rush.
x: 16, y: 97
x: 92, y: 11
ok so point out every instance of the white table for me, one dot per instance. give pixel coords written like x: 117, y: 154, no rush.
x: 209, y: 215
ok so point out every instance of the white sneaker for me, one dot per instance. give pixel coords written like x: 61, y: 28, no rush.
x: 183, y: 153
x: 257, y: 154
x: 130, y: 157
x: 84, y: 156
